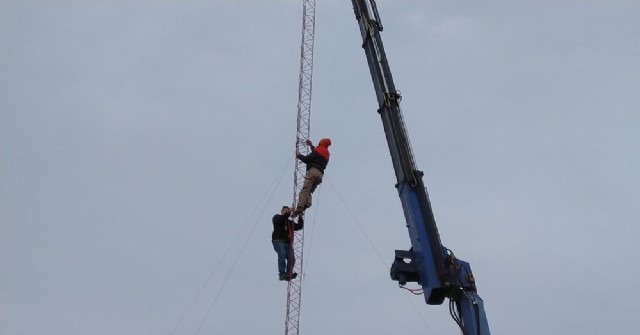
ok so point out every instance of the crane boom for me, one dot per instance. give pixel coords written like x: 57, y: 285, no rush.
x: 430, y: 264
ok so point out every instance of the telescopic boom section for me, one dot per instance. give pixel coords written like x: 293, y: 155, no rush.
x: 430, y: 264
x: 416, y: 204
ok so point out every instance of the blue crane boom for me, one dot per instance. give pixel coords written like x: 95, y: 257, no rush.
x: 427, y: 262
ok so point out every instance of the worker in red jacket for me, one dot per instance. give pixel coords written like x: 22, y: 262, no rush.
x: 316, y: 162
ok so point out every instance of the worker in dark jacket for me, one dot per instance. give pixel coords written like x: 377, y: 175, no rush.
x: 281, y: 238
x: 316, y: 162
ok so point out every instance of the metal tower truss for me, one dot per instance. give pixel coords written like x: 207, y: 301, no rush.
x: 294, y: 290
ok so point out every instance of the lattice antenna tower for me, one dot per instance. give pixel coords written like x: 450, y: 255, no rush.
x: 294, y: 290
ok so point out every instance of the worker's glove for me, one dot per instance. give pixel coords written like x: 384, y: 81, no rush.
x: 308, y: 142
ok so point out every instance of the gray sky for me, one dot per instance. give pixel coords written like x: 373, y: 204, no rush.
x: 145, y: 145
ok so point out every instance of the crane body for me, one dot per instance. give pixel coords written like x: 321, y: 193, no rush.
x: 428, y: 263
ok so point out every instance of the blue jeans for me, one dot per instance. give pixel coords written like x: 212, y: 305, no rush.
x: 283, y: 249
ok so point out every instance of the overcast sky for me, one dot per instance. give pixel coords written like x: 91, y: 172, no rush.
x: 145, y: 145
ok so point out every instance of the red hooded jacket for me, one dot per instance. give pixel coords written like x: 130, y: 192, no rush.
x: 323, y: 147
x: 319, y: 156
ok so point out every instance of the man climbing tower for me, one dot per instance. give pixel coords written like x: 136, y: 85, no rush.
x: 281, y: 237
x: 316, y: 162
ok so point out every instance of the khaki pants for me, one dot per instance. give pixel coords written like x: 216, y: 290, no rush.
x: 311, y: 181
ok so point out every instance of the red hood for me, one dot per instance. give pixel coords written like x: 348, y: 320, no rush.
x: 325, y: 142
x: 323, y: 147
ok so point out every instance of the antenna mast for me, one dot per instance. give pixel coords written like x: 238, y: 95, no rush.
x: 294, y: 290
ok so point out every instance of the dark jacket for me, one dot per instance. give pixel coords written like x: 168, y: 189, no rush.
x: 314, y: 159
x: 282, y: 227
x: 319, y: 156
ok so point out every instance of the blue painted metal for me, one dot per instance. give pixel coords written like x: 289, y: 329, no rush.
x: 428, y: 262
x: 425, y: 258
x: 472, y: 314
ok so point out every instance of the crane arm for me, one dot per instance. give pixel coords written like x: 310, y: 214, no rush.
x: 427, y: 262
